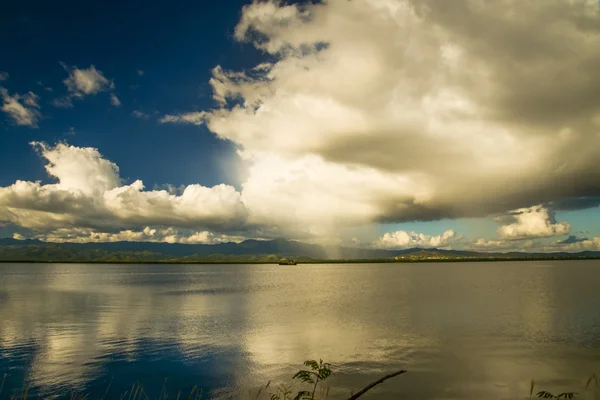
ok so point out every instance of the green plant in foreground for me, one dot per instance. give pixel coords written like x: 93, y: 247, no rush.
x: 284, y: 392
x: 319, y: 371
x: 548, y: 395
x: 567, y: 395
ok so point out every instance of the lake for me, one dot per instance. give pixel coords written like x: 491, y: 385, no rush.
x: 462, y: 330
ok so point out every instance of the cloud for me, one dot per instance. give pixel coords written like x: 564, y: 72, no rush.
x: 89, y: 201
x: 80, y: 169
x: 407, y: 240
x: 114, y: 100
x: 23, y: 109
x: 147, y: 234
x: 63, y: 102
x: 312, y: 193
x: 140, y: 72
x: 448, y: 109
x: 576, y: 203
x: 500, y: 245
x: 3, y: 76
x: 570, y: 245
x: 584, y: 244
x: 572, y: 239
x: 139, y: 114
x: 369, y: 111
x: 218, y: 206
x: 536, y: 245
x: 46, y: 88
x: 85, y: 82
x: 196, y: 118
x: 533, y: 222
x: 90, y: 194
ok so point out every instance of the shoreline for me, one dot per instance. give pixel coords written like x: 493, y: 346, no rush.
x: 337, y: 261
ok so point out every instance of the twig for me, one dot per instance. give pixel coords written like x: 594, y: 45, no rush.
x: 377, y: 382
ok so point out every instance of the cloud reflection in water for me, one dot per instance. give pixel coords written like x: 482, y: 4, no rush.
x: 463, y: 331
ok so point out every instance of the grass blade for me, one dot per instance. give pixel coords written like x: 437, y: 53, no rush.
x: 3, y: 379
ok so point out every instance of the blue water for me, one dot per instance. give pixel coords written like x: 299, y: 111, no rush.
x: 463, y: 330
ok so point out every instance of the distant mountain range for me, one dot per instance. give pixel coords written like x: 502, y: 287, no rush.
x: 247, y: 251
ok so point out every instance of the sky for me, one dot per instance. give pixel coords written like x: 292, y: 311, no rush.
x: 375, y: 123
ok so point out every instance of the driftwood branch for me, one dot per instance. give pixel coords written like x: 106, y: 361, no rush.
x: 377, y: 382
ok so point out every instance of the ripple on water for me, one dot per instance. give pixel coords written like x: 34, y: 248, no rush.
x: 463, y: 331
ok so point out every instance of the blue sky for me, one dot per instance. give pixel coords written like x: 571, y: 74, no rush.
x: 175, y: 45
x: 313, y: 131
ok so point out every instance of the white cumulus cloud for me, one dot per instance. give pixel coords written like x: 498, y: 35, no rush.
x: 407, y: 240
x: 90, y: 194
x: 147, y: 234
x: 533, y: 222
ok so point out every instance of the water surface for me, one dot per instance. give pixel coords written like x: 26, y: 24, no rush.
x: 463, y: 330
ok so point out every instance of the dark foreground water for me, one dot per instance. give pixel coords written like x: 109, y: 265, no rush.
x: 463, y: 330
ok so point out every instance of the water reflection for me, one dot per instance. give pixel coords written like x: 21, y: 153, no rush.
x: 463, y: 331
